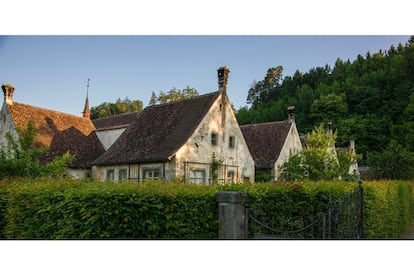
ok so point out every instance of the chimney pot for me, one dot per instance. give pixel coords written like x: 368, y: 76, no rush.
x: 352, y: 145
x: 291, y: 112
x: 8, y: 91
x: 330, y: 132
x: 223, y: 75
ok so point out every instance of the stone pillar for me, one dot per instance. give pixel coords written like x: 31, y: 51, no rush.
x: 232, y: 215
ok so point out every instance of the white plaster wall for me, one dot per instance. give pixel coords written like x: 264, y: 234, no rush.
x: 135, y: 172
x: 291, y: 147
x: 78, y: 173
x: 108, y: 137
x: 6, y: 125
x: 221, y: 120
x: 99, y: 172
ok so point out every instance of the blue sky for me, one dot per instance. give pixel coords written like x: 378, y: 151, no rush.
x: 52, y: 71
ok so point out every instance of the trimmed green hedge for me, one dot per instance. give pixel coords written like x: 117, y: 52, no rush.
x: 388, y: 208
x: 65, y: 209
x: 45, y: 209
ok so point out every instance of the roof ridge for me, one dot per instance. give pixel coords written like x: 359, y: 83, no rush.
x: 266, y: 123
x: 46, y: 109
x: 183, y: 100
x: 117, y: 115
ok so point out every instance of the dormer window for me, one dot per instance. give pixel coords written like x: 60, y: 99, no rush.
x: 214, y: 139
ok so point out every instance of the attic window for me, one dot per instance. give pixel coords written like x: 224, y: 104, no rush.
x: 231, y: 142
x: 214, y: 139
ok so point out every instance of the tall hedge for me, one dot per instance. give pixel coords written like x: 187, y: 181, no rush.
x: 82, y: 210
x: 65, y: 209
x: 388, y: 208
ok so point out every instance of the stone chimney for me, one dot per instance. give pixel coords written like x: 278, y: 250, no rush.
x: 352, y: 145
x: 223, y: 76
x: 291, y: 112
x: 8, y: 91
x: 330, y: 131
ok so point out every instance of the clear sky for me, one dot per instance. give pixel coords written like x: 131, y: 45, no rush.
x: 52, y: 71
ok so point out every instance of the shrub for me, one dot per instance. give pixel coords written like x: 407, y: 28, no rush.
x: 388, y: 208
x: 90, y: 210
x: 45, y: 208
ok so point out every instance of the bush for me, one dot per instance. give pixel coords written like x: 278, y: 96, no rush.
x: 388, y: 208
x: 45, y: 208
x: 88, y: 210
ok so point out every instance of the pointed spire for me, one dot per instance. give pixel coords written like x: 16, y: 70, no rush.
x: 86, y: 113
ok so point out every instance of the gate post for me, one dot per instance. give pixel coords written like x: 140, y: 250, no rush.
x: 232, y: 215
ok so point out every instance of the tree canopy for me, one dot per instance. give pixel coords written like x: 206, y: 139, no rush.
x: 119, y: 107
x: 173, y: 95
x: 320, y: 160
x: 126, y: 105
x: 370, y: 99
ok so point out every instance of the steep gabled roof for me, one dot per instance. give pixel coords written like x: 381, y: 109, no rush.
x: 158, y: 132
x: 60, y: 132
x: 115, y: 121
x: 265, y: 141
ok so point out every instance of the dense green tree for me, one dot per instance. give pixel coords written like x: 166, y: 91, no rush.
x: 409, y: 123
x: 119, y: 107
x: 319, y: 160
x: 368, y: 99
x: 153, y: 99
x: 394, y: 162
x: 261, y: 91
x: 173, y: 95
x: 329, y: 108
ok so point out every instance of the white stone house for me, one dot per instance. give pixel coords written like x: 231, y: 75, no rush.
x: 272, y: 144
x: 181, y: 141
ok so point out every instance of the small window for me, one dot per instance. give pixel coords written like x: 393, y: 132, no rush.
x: 110, y: 175
x: 214, y: 139
x: 122, y: 175
x: 230, y: 176
x: 231, y: 142
x: 198, y: 176
x: 152, y: 173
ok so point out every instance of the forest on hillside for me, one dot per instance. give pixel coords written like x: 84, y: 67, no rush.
x: 370, y: 99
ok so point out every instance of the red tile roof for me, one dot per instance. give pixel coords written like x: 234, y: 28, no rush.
x: 60, y: 132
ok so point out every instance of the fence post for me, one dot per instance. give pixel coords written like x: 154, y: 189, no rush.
x: 232, y: 215
x: 361, y: 209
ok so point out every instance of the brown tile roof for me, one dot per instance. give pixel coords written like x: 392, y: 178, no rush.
x: 116, y: 121
x: 265, y: 141
x: 60, y: 132
x: 158, y: 132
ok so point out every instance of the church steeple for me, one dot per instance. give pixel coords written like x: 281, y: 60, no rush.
x: 86, y: 113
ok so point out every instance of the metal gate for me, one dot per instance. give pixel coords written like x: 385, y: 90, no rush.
x: 342, y: 220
